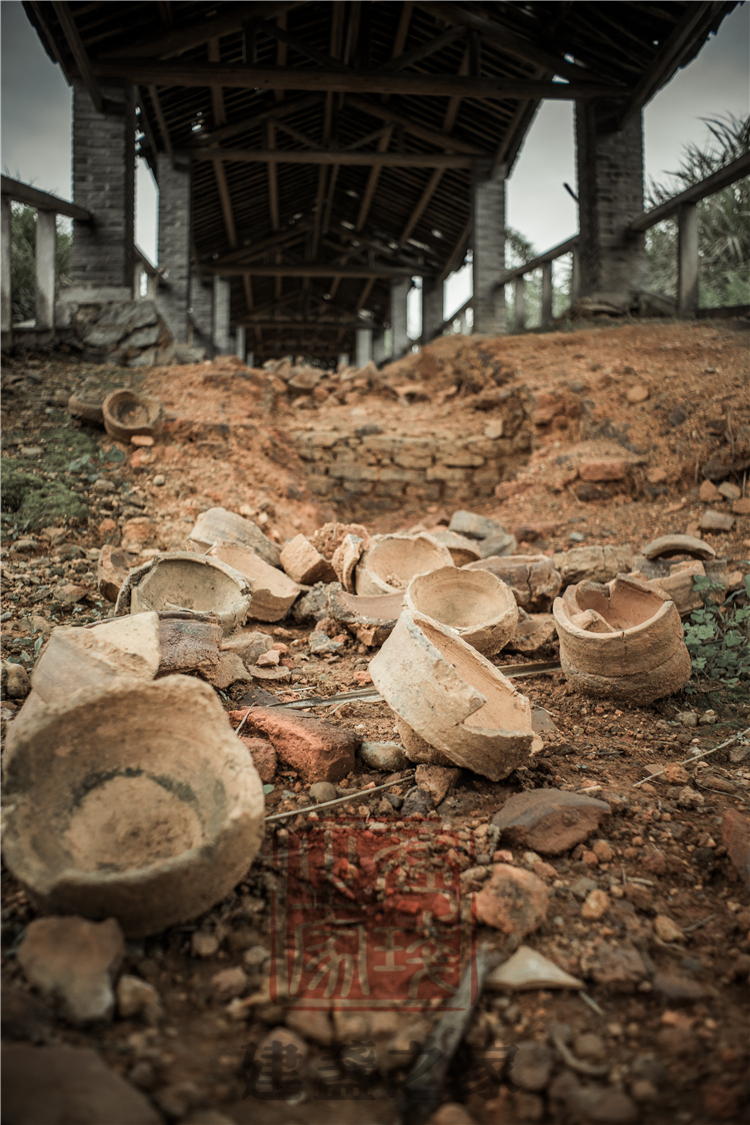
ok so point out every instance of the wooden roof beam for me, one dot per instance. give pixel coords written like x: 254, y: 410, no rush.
x: 78, y: 51
x: 432, y: 136
x: 317, y: 269
x: 254, y: 249
x: 193, y: 74
x: 286, y: 109
x: 180, y: 39
x: 274, y: 156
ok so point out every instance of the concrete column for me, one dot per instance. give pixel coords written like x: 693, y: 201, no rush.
x: 104, y: 183
x: 519, y: 313
x: 399, y: 293
x: 221, y: 333
x: 174, y: 245
x: 46, y: 244
x: 363, y: 346
x: 5, y: 253
x: 378, y: 347
x: 432, y: 309
x: 687, y: 259
x: 610, y: 195
x: 239, y: 340
x: 488, y: 242
x: 546, y: 293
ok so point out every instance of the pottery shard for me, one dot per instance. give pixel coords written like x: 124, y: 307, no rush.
x: 532, y: 578
x: 735, y: 835
x: 217, y: 525
x: 74, y: 962
x: 304, y: 564
x: 229, y: 669
x: 370, y: 617
x: 597, y: 563
x: 319, y: 751
x: 58, y: 1085
x: 273, y: 592
x: 529, y: 969
x: 473, y: 526
x: 616, y: 468
x: 111, y: 571
x: 248, y: 645
x: 436, y: 780
x: 709, y: 492
x: 549, y: 821
x: 712, y: 520
x: 187, y: 642
x: 514, y: 900
x: 345, y: 559
x: 263, y: 755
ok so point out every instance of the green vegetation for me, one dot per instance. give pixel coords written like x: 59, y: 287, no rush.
x: 30, y: 502
x: 724, y: 220
x: 518, y: 251
x: 23, y: 259
x: 718, y: 637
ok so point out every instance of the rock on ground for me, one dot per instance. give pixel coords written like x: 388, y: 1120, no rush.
x: 319, y: 751
x: 514, y: 901
x: 549, y: 821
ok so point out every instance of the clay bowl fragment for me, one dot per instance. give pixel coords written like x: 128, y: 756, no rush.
x: 479, y: 606
x: 462, y: 550
x: 136, y: 802
x: 217, y: 525
x: 370, y: 617
x: 273, y: 591
x: 126, y: 414
x: 391, y: 561
x: 532, y: 578
x: 452, y: 698
x: 182, y: 580
x: 623, y: 641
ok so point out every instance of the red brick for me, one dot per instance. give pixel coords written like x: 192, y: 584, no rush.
x: 319, y: 751
x: 616, y: 468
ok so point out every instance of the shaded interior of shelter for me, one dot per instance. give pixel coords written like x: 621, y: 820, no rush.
x: 313, y: 158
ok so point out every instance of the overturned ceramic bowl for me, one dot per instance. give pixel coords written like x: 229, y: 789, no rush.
x: 622, y: 641
x: 127, y: 414
x: 182, y: 580
x: 452, y: 698
x: 391, y: 561
x: 137, y: 802
x: 479, y: 606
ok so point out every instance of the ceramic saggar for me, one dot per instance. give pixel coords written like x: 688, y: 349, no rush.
x: 450, y: 699
x: 136, y: 802
x: 181, y: 580
x: 621, y: 641
x: 479, y: 606
x: 127, y: 414
x: 391, y: 561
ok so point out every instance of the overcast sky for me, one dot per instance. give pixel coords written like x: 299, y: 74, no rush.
x: 36, y: 120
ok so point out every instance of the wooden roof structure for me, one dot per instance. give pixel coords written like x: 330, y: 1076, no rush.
x: 333, y: 142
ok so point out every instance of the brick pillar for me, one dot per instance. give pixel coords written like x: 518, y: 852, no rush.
x: 202, y: 314
x: 610, y: 195
x: 488, y: 243
x: 174, y: 245
x: 432, y: 308
x: 5, y: 264
x: 103, y: 257
x: 363, y: 346
x: 399, y: 293
x: 222, y: 294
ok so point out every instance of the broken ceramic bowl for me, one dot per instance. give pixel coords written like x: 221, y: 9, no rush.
x: 451, y: 699
x: 462, y: 550
x: 182, y: 580
x: 532, y: 578
x: 136, y: 802
x: 476, y: 604
x: 127, y: 414
x: 217, y: 525
x: 371, y: 619
x: 273, y: 591
x: 622, y: 641
x: 391, y: 561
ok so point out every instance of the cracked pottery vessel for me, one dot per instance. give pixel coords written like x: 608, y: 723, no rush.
x: 622, y: 641
x: 180, y: 580
x: 453, y: 706
x: 137, y: 802
x: 479, y: 606
x: 127, y: 414
x: 391, y: 561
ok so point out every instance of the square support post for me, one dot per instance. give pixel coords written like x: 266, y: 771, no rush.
x: 432, y: 309
x: 546, y: 293
x: 222, y: 294
x: 46, y: 244
x: 687, y: 259
x: 575, y: 276
x: 174, y: 245
x: 399, y: 293
x: 239, y: 340
x: 363, y: 352
x: 6, y: 317
x: 519, y: 308
x: 103, y: 257
x: 488, y: 243
x: 202, y: 313
x: 378, y: 347
x: 610, y: 194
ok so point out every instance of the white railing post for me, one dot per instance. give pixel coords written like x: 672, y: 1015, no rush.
x: 575, y: 277
x: 687, y: 259
x: 546, y: 293
x: 46, y: 244
x: 152, y: 286
x: 5, y: 295
x: 519, y: 318
x: 137, y: 272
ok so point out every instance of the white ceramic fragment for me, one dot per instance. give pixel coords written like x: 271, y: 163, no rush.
x: 528, y: 969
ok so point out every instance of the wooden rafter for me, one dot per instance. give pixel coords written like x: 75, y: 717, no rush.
x: 163, y: 128
x: 432, y: 136
x: 381, y: 159
x: 290, y: 106
x: 177, y: 40
x: 78, y: 51
x: 314, y: 269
